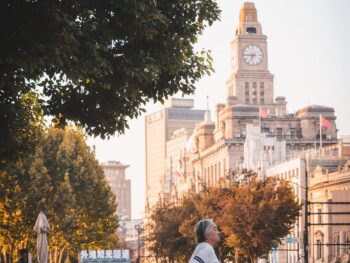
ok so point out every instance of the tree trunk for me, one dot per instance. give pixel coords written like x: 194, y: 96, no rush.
x: 252, y: 258
x: 55, y: 258
x: 60, y: 255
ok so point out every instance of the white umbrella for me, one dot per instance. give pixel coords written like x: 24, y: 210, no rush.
x: 42, y: 227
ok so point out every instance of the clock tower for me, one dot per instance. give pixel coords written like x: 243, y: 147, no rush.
x: 250, y: 81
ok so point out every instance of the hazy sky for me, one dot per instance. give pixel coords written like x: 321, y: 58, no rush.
x: 309, y: 55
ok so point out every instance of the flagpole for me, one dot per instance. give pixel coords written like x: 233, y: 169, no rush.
x: 261, y: 143
x: 320, y: 133
x: 259, y: 120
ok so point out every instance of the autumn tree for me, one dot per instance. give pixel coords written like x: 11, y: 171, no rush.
x: 97, y: 63
x: 62, y: 178
x: 257, y: 214
x: 171, y: 226
x: 252, y: 215
x: 164, y: 237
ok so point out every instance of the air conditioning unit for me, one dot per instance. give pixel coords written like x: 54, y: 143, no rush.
x: 238, y: 135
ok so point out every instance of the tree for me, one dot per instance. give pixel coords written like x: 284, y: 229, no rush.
x: 99, y: 62
x: 252, y: 215
x: 163, y: 233
x: 80, y: 192
x: 21, y: 125
x: 62, y: 178
x: 257, y: 214
x: 170, y: 230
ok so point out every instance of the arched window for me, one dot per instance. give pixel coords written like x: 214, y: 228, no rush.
x: 336, y: 241
x: 338, y: 245
x: 347, y: 242
x: 318, y: 237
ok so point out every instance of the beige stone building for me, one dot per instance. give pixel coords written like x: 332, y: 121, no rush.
x: 254, y: 129
x: 330, y: 233
x: 177, y: 165
x: 121, y: 187
x: 250, y: 93
x: 159, y: 128
x: 217, y: 147
x: 313, y: 163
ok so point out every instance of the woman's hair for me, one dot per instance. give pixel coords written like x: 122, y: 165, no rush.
x: 202, y: 229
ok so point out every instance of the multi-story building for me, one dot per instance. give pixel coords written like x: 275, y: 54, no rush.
x: 219, y: 146
x: 251, y: 102
x: 311, y: 164
x: 177, y: 165
x: 329, y: 196
x: 115, y: 175
x: 159, y: 128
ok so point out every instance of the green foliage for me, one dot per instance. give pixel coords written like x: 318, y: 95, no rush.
x: 62, y: 178
x: 97, y: 63
x: 21, y: 123
x: 252, y: 215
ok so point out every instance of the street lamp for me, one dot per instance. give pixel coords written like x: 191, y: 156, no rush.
x: 139, y: 230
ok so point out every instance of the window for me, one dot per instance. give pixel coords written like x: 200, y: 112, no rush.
x: 318, y: 249
x: 338, y: 244
x: 293, y: 133
x: 251, y: 30
x: 279, y: 132
x: 262, y: 101
x: 266, y: 129
x: 248, y: 17
x: 262, y: 89
x: 246, y: 92
x: 347, y: 242
x: 319, y: 216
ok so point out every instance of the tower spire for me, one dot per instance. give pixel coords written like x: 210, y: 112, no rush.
x: 248, y: 12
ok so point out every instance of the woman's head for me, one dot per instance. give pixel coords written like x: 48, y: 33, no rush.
x: 206, y: 231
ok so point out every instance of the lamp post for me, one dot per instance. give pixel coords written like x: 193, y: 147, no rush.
x: 306, y: 234
x: 139, y: 230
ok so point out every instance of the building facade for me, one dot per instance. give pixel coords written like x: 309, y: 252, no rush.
x: 250, y: 91
x: 121, y: 187
x: 328, y: 178
x: 329, y: 195
x: 159, y: 128
x: 218, y: 147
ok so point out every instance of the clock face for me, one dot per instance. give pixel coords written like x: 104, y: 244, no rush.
x: 252, y: 55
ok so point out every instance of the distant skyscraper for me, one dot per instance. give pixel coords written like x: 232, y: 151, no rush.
x: 115, y: 175
x: 159, y: 127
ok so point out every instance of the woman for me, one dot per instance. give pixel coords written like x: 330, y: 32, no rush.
x: 207, y: 236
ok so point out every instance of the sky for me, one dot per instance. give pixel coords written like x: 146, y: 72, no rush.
x: 309, y: 56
